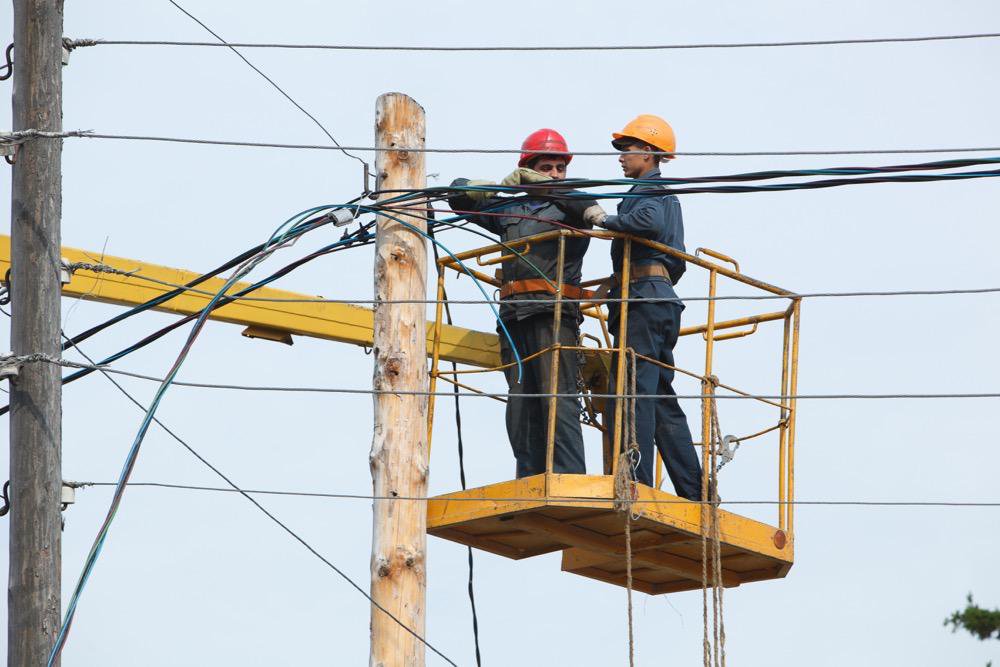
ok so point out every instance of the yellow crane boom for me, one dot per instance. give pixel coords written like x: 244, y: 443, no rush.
x: 340, y: 322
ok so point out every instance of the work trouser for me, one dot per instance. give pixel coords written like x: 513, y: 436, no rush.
x: 651, y: 331
x: 528, y: 418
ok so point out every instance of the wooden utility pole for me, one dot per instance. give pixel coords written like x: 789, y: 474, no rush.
x: 36, y: 393
x: 399, y: 446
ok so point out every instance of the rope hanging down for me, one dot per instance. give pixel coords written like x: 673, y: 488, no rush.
x: 626, y: 493
x: 714, y: 650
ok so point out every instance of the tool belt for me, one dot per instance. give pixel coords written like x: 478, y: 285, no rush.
x: 533, y: 285
x: 639, y: 271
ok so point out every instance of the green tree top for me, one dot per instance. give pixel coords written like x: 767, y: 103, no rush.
x: 983, y: 623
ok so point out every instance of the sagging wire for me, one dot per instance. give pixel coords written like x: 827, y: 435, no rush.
x: 233, y: 487
x: 277, y: 240
x: 360, y: 237
x: 76, y: 43
x: 10, y: 63
x: 461, y: 469
x: 381, y: 210
x: 272, y: 82
x: 557, y: 189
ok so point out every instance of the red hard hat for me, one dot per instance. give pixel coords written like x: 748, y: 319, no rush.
x: 543, y: 142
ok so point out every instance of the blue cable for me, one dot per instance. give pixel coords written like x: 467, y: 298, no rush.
x: 277, y: 237
x: 503, y: 327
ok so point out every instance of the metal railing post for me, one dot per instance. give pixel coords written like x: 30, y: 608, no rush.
x: 435, y: 356
x: 554, y: 365
x: 707, y: 388
x: 783, y: 429
x: 793, y: 390
x: 616, y: 441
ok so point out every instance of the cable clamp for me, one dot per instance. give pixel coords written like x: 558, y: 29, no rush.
x: 727, y: 450
x: 342, y: 217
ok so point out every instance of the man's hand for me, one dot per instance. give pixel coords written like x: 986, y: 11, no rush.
x: 466, y: 196
x: 575, y: 207
x: 524, y: 176
x: 465, y: 200
x: 595, y: 216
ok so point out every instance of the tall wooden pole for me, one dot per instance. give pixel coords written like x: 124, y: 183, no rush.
x: 399, y: 447
x: 36, y: 393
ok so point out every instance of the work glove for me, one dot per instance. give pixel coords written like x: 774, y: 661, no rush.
x: 524, y: 176
x: 575, y: 208
x: 595, y: 216
x: 470, y: 199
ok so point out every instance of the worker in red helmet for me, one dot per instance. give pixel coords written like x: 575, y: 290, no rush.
x: 527, y: 288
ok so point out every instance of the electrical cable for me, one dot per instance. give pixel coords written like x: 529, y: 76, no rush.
x: 234, y: 488
x: 360, y: 237
x: 73, y: 44
x: 562, y: 499
x: 40, y: 358
x: 461, y: 476
x: 595, y: 300
x: 276, y: 241
x: 478, y: 284
x: 177, y: 291
x: 270, y: 81
x: 22, y: 135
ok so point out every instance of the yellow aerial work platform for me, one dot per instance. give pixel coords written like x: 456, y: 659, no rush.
x: 583, y: 515
x: 518, y: 519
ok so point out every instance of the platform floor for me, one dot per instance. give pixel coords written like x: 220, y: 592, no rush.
x: 521, y: 518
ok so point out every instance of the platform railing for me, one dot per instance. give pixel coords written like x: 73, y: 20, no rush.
x: 594, y: 309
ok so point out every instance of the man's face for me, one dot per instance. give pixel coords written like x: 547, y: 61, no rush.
x: 635, y: 165
x: 551, y: 165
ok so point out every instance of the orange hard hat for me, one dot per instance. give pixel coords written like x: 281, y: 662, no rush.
x: 543, y: 142
x: 648, y: 128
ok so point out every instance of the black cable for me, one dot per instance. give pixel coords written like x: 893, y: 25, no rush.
x: 363, y: 238
x: 461, y: 461
x: 246, y: 495
x: 167, y: 296
x: 270, y: 81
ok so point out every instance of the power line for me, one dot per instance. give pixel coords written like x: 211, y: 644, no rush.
x: 136, y: 273
x: 36, y: 358
x: 561, y: 499
x: 461, y: 466
x: 22, y: 135
x: 278, y: 239
x: 234, y: 488
x: 269, y: 80
x: 72, y: 44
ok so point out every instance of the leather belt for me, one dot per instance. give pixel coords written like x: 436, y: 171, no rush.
x: 639, y: 271
x: 531, y: 285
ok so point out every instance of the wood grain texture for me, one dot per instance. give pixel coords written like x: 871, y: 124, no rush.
x: 35, y: 395
x: 399, y: 446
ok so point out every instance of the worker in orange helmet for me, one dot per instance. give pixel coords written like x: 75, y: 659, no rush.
x: 654, y: 314
x: 527, y: 289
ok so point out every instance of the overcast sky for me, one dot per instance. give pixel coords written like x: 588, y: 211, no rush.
x: 202, y: 578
